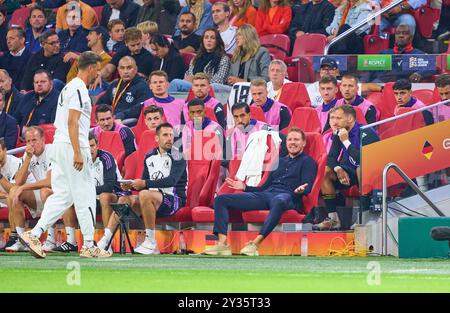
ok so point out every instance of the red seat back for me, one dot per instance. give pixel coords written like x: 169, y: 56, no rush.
x: 300, y: 69
x: 99, y: 12
x: 375, y: 98
x: 425, y: 18
x: 373, y: 44
x: 257, y: 113
x: 19, y: 17
x: 306, y: 119
x: 309, y: 44
x: 424, y: 95
x: 49, y: 132
x: 316, y: 150
x: 209, y: 113
x: 147, y: 142
x: 277, y: 44
x: 129, y: 166
x: 294, y: 95
x: 187, y: 58
x: 402, y: 125
x: 112, y: 142
x: 360, y: 118
x: 388, y: 103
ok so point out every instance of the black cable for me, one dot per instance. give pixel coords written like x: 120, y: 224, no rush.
x: 409, y: 209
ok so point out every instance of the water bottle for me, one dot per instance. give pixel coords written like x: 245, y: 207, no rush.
x: 182, y: 244
x: 304, y: 245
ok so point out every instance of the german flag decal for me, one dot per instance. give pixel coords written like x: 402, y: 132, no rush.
x: 427, y: 150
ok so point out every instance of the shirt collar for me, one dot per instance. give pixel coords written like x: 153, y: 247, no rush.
x: 168, y: 99
x: 18, y: 54
x: 268, y: 105
x: 328, y: 106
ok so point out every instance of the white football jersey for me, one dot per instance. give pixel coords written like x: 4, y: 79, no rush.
x: 10, y: 169
x: 74, y: 96
x: 40, y: 165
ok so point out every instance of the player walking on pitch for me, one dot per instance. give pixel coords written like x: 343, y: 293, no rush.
x: 72, y: 178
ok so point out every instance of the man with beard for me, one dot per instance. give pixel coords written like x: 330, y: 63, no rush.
x: 187, y: 40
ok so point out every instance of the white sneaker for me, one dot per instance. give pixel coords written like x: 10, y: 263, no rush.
x: 93, y: 252
x: 17, y: 247
x: 48, y: 246
x: 102, y: 245
x: 147, y: 247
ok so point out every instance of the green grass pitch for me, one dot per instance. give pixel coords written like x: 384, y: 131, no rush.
x: 21, y: 272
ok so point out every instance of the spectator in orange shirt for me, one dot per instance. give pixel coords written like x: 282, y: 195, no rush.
x: 88, y: 15
x: 242, y: 12
x: 274, y: 17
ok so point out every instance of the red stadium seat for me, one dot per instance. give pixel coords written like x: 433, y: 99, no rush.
x: 309, y: 44
x: 209, y: 113
x: 402, y: 125
x: 305, y: 118
x: 316, y: 149
x: 373, y: 44
x: 20, y: 17
x: 300, y: 69
x: 388, y: 103
x: 360, y: 118
x: 204, y: 214
x: 203, y: 173
x: 98, y: 11
x: 424, y: 95
x: 425, y: 18
x: 257, y: 113
x: 49, y: 132
x: 375, y: 98
x: 187, y: 58
x: 112, y: 142
x: 294, y: 95
x: 129, y: 166
x: 277, y: 44
x: 147, y: 142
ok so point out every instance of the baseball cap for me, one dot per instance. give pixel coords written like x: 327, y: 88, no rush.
x: 328, y: 62
x: 100, y: 30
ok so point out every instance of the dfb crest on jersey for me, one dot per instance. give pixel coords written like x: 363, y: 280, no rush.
x: 157, y: 175
x: 129, y: 98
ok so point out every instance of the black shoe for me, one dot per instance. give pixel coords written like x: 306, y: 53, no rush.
x: 66, y: 247
x: 12, y: 240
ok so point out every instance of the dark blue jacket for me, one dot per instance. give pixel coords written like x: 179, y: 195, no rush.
x: 131, y: 102
x: 290, y: 174
x: 128, y: 14
x: 15, y: 65
x: 8, y: 130
x: 77, y: 43
x: 44, y: 112
x: 54, y: 64
x: 14, y: 107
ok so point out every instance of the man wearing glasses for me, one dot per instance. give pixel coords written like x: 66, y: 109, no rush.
x: 49, y: 58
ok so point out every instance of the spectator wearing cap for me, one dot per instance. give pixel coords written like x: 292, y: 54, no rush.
x: 73, y: 39
x: 38, y: 25
x: 15, y: 60
x: 49, y: 58
x: 313, y: 17
x: 88, y: 20
x: 125, y: 10
x: 3, y: 28
x: 329, y: 66
x: 96, y: 39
